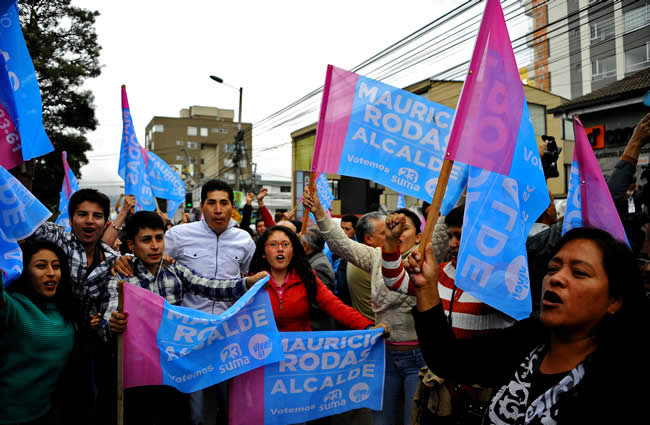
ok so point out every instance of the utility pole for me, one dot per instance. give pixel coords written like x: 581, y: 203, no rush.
x: 239, y: 138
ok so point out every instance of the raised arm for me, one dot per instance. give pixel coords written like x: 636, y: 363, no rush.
x: 112, y: 231
x: 395, y: 276
x: 353, y: 252
x: 485, y: 360
x: 623, y: 174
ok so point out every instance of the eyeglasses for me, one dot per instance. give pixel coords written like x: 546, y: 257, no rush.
x: 274, y: 244
x: 642, y: 262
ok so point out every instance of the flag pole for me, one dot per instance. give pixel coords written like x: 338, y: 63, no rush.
x: 312, y: 189
x: 120, y: 389
x: 293, y: 210
x: 434, y: 209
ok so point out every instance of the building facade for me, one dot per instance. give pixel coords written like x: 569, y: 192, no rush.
x: 200, y: 144
x: 580, y: 46
x: 609, y: 116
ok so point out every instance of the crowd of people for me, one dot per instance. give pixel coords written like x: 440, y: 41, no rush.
x: 450, y: 359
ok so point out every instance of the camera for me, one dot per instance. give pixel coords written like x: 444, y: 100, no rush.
x: 549, y: 157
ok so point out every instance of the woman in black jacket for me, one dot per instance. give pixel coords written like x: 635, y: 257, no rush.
x: 583, y: 361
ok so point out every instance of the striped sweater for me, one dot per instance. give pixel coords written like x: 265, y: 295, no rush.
x: 469, y: 316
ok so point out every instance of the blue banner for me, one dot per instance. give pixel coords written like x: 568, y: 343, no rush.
x: 132, y: 167
x: 198, y: 350
x: 11, y: 259
x: 20, y: 215
x: 165, y: 182
x: 323, y: 374
x: 26, y: 92
x: 398, y: 139
x: 499, y: 212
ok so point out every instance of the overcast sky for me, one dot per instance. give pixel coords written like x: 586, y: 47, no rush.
x: 164, y: 52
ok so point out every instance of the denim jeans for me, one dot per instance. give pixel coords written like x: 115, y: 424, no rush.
x: 400, y: 379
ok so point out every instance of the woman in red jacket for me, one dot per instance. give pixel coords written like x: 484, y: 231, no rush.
x: 293, y: 286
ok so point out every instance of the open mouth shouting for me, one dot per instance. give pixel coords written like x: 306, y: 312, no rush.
x: 551, y: 299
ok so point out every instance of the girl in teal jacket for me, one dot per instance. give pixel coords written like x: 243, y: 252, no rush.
x: 37, y: 316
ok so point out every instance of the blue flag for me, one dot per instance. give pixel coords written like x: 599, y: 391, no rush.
x: 191, y: 350
x: 25, y: 91
x: 499, y: 212
x: 133, y: 167
x: 68, y: 187
x: 165, y: 182
x: 11, y: 259
x: 323, y: 374
x: 20, y: 215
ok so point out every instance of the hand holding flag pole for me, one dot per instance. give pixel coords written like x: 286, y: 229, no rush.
x: 312, y: 189
x: 434, y: 209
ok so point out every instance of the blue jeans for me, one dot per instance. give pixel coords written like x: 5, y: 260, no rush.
x: 400, y: 378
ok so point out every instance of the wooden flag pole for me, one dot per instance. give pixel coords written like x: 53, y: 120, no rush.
x: 293, y: 210
x: 312, y: 189
x: 120, y: 390
x: 434, y: 209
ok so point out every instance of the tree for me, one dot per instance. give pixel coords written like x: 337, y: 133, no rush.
x: 63, y: 45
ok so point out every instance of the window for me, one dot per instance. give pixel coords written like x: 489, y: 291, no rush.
x: 538, y: 118
x: 153, y: 146
x: 603, y: 68
x: 180, y: 157
x: 230, y: 176
x: 158, y: 128
x: 636, y: 18
x: 219, y: 130
x: 637, y: 58
x: 192, y: 145
x: 191, y: 131
x: 180, y: 143
x: 229, y: 147
x: 204, y: 132
x: 567, y: 130
x: 192, y: 160
x: 285, y: 189
x: 603, y: 30
x: 202, y: 161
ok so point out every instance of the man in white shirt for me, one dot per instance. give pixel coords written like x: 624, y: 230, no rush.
x: 213, y: 247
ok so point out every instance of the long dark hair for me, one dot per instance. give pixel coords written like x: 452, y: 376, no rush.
x: 624, y: 279
x: 299, y: 262
x: 64, y: 300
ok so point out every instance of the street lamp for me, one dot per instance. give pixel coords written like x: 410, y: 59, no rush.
x: 240, y: 89
x: 238, y: 138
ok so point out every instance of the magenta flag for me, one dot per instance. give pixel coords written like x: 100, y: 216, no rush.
x: 10, y: 153
x: 589, y: 202
x: 487, y: 121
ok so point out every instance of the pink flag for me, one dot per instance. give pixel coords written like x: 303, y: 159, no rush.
x: 11, y: 154
x: 141, y: 360
x: 487, y: 121
x: 589, y: 202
